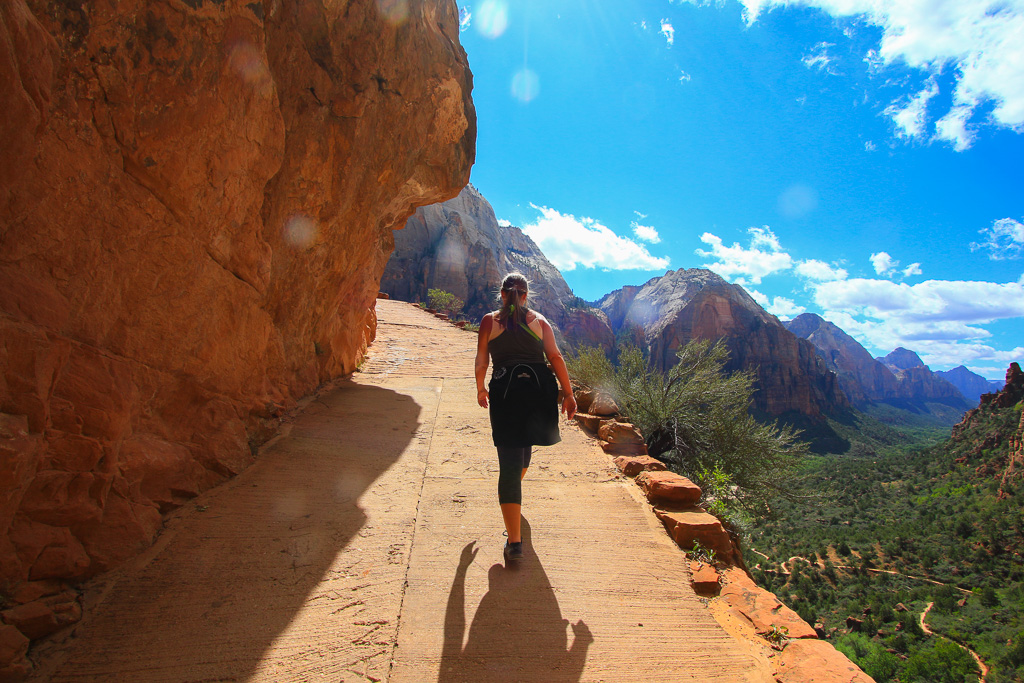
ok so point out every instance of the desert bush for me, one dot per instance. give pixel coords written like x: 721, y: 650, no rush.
x: 697, y: 419
x: 445, y: 302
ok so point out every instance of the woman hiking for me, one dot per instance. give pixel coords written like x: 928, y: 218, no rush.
x: 522, y: 395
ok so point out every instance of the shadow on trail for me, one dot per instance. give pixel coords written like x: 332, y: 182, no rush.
x: 232, y: 575
x: 518, y: 633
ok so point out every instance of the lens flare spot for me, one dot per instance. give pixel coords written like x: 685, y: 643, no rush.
x: 798, y: 201
x: 525, y: 85
x: 300, y: 232
x: 250, y: 65
x: 491, y: 18
x: 395, y: 11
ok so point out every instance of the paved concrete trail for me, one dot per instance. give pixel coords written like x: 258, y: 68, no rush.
x: 365, y: 544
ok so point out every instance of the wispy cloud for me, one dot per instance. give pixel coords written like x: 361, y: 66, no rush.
x: 570, y: 242
x: 978, y: 42
x: 819, y: 58
x: 819, y: 271
x: 465, y: 19
x: 684, y: 77
x: 747, y: 265
x: 1004, y: 240
x: 668, y: 32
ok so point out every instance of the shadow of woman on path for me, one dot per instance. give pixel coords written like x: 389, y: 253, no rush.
x: 518, y: 633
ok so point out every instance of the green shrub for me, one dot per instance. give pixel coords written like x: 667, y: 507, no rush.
x: 590, y: 367
x: 445, y: 302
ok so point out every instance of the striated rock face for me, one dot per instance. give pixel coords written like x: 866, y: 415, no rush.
x: 196, y: 205
x: 697, y: 304
x: 459, y: 247
x: 970, y: 384
x: 861, y: 377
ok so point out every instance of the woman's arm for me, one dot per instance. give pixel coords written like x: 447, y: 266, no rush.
x: 482, y: 359
x: 558, y: 365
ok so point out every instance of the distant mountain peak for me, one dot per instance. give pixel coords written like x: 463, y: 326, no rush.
x: 903, y: 359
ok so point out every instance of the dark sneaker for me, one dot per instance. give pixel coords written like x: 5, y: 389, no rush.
x: 513, y: 551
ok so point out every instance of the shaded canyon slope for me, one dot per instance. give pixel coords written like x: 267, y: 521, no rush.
x: 917, y: 381
x: 458, y: 246
x: 905, y: 381
x: 196, y: 205
x: 682, y: 305
x: 861, y: 376
x: 970, y: 384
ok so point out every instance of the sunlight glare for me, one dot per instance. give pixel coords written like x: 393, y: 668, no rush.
x: 300, y: 232
x: 491, y: 18
x: 525, y: 85
x: 248, y: 62
x: 395, y: 11
x: 798, y: 201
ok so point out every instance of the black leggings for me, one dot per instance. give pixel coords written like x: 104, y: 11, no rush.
x: 511, y: 463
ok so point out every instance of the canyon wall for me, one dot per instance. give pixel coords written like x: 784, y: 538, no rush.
x: 458, y: 246
x: 196, y: 206
x: 683, y: 305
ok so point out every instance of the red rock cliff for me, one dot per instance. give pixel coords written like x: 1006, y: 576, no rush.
x: 196, y: 204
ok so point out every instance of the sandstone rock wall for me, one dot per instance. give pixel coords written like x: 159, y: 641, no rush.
x: 459, y: 247
x: 196, y: 205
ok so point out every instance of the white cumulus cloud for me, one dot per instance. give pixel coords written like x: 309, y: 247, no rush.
x: 978, y: 42
x: 1004, y: 240
x: 763, y: 257
x: 912, y: 269
x: 883, y: 263
x: 963, y: 301
x: 504, y: 222
x: 780, y: 306
x: 645, y: 233
x: 569, y: 242
x: 668, y: 31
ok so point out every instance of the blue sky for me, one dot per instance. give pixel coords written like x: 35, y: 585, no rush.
x: 859, y: 159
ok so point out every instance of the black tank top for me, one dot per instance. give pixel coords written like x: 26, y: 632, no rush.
x: 515, y: 346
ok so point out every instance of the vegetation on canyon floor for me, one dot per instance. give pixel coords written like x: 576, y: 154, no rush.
x: 904, y: 527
